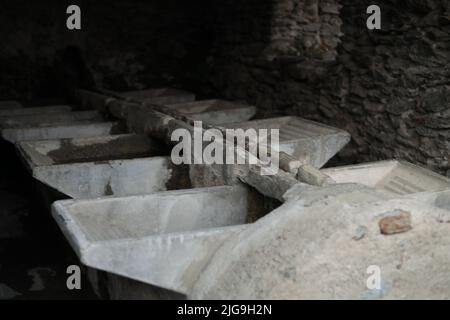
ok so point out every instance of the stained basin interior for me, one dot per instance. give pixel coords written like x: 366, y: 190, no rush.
x: 159, y: 213
x: 80, y: 129
x: 391, y: 176
x: 77, y: 130
x: 127, y: 146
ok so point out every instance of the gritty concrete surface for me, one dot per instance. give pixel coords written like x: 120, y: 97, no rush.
x: 320, y: 244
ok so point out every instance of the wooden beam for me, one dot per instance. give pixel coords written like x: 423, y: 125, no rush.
x: 159, y: 122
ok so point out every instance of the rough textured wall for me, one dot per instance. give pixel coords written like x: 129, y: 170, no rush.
x: 397, y: 82
x: 126, y: 44
x: 389, y: 88
x: 264, y: 49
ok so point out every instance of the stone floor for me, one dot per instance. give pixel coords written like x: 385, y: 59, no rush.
x: 33, y: 253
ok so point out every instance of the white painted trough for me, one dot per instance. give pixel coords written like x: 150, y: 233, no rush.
x: 215, y: 112
x: 161, y: 96
x: 12, y: 112
x: 311, y: 142
x: 116, y: 177
x: 66, y: 131
x: 63, y: 151
x: 163, y: 239
x: 395, y: 177
x: 29, y: 121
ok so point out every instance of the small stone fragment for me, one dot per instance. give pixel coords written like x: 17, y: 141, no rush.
x: 397, y: 221
x: 360, y: 233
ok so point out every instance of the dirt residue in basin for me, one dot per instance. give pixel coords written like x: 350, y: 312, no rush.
x: 108, y: 189
x: 179, y: 178
x: 120, y: 148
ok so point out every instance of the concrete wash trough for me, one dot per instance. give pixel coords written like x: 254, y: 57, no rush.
x: 393, y: 177
x: 311, y: 142
x: 63, y: 151
x: 29, y: 121
x: 116, y: 177
x: 146, y: 175
x: 215, y: 112
x: 161, y: 96
x: 163, y: 239
x: 65, y: 131
x: 8, y: 112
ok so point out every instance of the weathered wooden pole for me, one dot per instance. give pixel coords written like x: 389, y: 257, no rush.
x: 159, y: 121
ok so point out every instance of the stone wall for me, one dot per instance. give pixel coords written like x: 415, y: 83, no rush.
x: 389, y: 88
